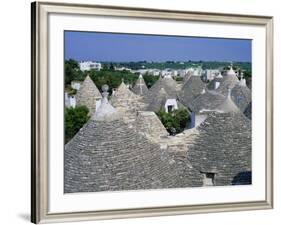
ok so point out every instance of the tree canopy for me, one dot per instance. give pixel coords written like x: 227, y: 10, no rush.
x: 72, y: 72
x: 74, y: 119
x: 175, y: 121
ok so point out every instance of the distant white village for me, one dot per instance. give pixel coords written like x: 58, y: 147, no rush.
x: 125, y: 146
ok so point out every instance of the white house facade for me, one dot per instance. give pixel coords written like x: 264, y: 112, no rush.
x: 89, y: 65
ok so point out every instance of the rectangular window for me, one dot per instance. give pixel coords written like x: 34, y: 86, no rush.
x: 209, y: 179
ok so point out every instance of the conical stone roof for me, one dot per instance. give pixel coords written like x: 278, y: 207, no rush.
x: 229, y: 81
x: 167, y: 83
x: 228, y: 105
x: 241, y: 95
x: 88, y: 94
x: 186, y: 77
x: 126, y: 102
x: 158, y: 101
x: 223, y: 146
x: 191, y: 89
x: 109, y: 155
x: 140, y: 87
x: 209, y: 100
x: 149, y: 124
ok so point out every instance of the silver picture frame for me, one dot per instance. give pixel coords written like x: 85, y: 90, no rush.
x: 40, y: 104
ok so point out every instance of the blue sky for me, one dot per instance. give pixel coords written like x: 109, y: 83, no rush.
x: 134, y: 47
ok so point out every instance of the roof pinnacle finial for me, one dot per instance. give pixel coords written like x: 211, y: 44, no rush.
x: 105, y: 111
x: 104, y: 93
x: 105, y: 90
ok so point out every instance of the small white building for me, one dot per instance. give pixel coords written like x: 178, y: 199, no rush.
x: 242, y: 81
x: 171, y: 105
x: 69, y: 100
x: 209, y: 75
x: 197, y: 72
x: 76, y: 85
x: 89, y: 65
x: 155, y: 72
x: 123, y: 69
x: 142, y: 71
x: 175, y: 73
x: 168, y: 72
x: 217, y: 84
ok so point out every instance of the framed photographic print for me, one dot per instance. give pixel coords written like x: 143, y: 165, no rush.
x: 146, y: 112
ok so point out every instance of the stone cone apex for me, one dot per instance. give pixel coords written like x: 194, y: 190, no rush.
x: 123, y: 93
x: 90, y: 83
x: 191, y: 89
x: 88, y: 94
x: 124, y: 90
x: 105, y: 112
x: 228, y: 106
x: 228, y: 81
x: 162, y: 92
x: 169, y: 84
x: 140, y: 87
x: 126, y: 102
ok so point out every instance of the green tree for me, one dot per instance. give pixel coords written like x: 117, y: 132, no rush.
x: 111, y: 67
x: 150, y: 80
x: 175, y: 121
x: 74, y: 119
x: 112, y: 78
x: 72, y: 72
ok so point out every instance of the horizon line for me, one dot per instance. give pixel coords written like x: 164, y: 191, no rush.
x: 151, y: 61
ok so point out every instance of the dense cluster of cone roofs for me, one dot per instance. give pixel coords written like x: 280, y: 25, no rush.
x: 124, y: 146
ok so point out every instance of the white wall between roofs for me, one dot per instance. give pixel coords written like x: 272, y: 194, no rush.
x: 15, y: 115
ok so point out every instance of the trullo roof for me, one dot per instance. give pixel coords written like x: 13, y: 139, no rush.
x: 88, y: 94
x: 167, y: 83
x: 228, y: 81
x: 158, y: 100
x: 126, y: 102
x: 149, y: 124
x: 191, y: 89
x: 228, y: 105
x: 209, y: 100
x: 223, y: 147
x: 140, y: 87
x: 241, y: 95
